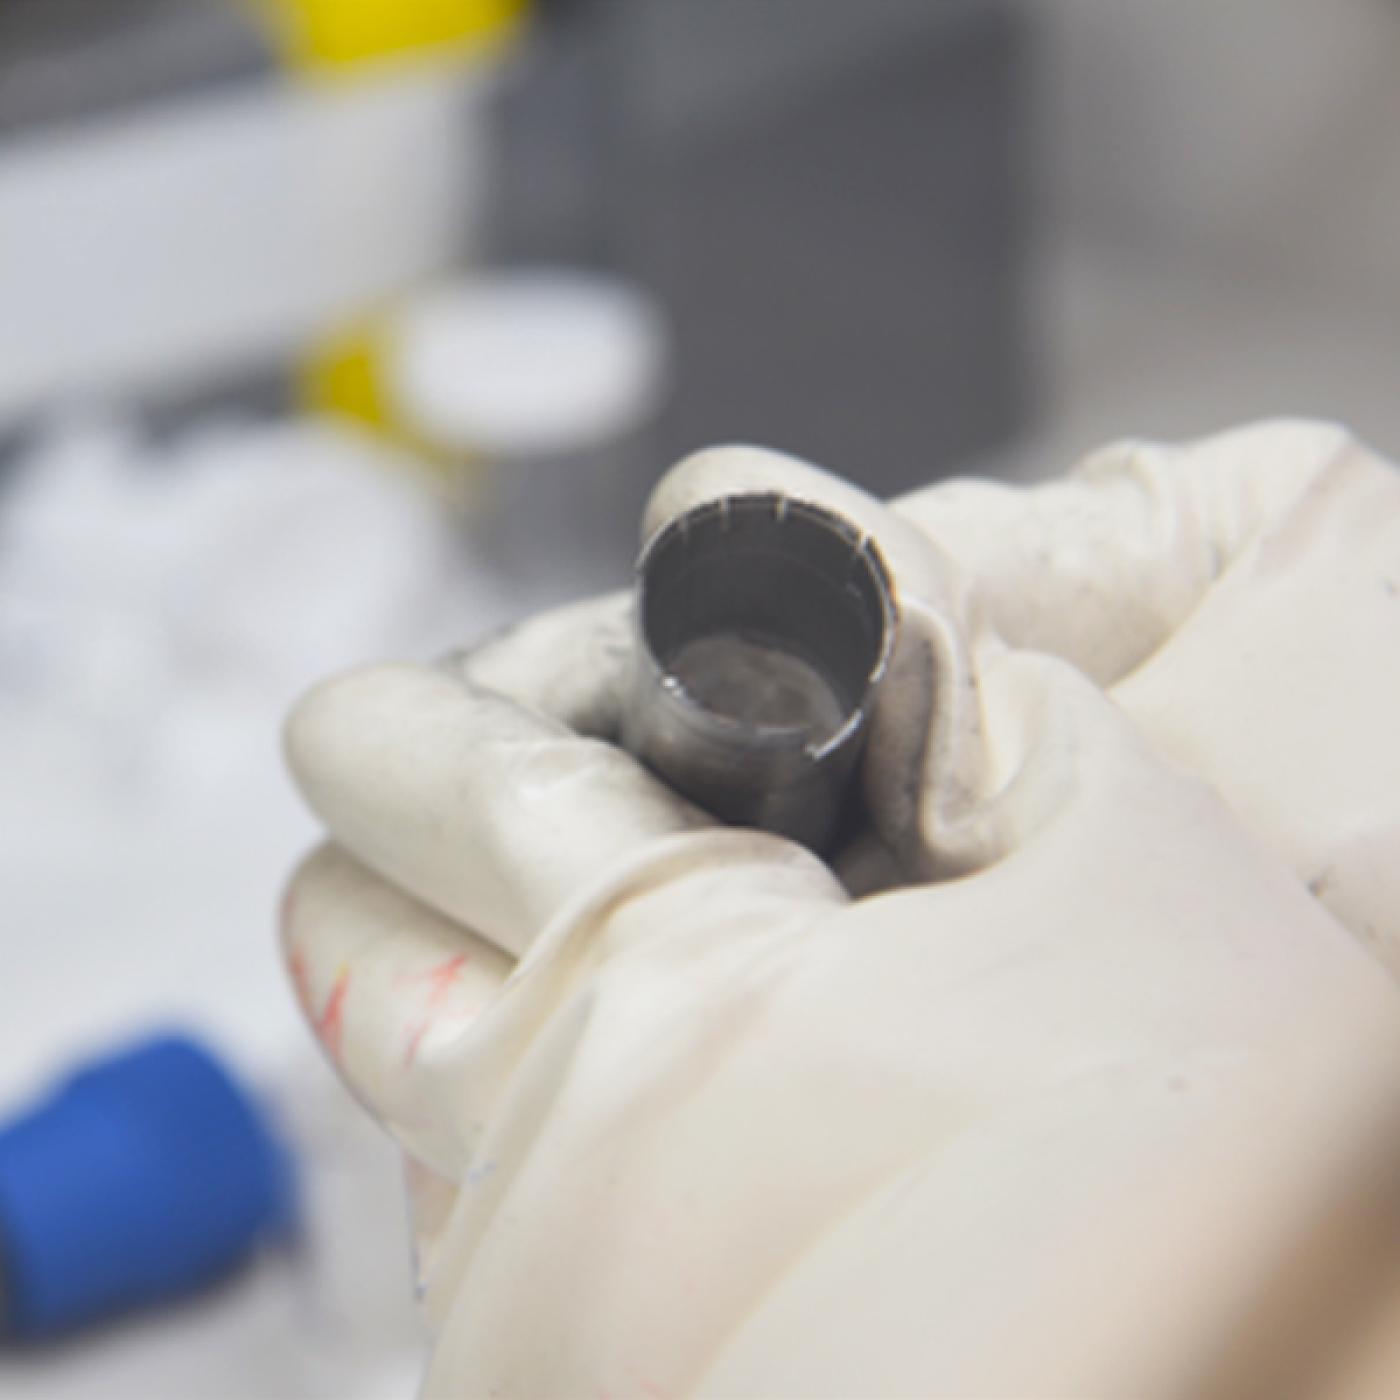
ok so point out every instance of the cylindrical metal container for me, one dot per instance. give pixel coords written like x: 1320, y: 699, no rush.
x: 765, y: 625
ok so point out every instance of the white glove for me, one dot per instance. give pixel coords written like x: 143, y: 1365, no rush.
x: 1073, y: 1123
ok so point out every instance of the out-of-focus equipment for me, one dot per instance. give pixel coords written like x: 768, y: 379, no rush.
x: 539, y: 389
x: 829, y: 199
x: 138, y: 1179
x: 197, y: 194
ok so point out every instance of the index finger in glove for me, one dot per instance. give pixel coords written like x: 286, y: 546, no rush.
x: 571, y: 663
x: 492, y: 814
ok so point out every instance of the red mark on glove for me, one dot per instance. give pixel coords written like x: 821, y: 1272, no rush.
x: 648, y: 1387
x: 296, y: 966
x: 439, y: 981
x: 331, y: 1025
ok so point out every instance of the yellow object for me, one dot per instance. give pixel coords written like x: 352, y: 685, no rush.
x: 342, y: 376
x: 341, y: 373
x: 330, y: 34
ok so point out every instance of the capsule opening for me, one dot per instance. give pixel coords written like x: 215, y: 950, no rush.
x: 771, y: 614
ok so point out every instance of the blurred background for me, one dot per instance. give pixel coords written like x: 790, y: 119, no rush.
x: 336, y: 329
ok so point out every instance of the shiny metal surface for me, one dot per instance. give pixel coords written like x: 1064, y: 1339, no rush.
x: 764, y: 629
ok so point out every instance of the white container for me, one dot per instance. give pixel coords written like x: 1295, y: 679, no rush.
x: 542, y: 385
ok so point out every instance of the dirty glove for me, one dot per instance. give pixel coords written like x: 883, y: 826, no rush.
x: 684, y: 1115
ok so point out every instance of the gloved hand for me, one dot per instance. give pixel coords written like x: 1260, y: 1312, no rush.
x: 685, y: 1116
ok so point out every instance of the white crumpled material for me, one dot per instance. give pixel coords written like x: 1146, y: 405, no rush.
x: 161, y: 603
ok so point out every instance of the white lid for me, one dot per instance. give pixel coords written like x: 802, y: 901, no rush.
x: 529, y: 362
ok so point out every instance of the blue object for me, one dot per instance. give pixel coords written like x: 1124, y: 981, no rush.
x: 139, y: 1178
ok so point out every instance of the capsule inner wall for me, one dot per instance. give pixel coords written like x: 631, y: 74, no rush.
x: 757, y: 684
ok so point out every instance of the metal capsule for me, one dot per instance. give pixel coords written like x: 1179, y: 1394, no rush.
x: 764, y: 628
